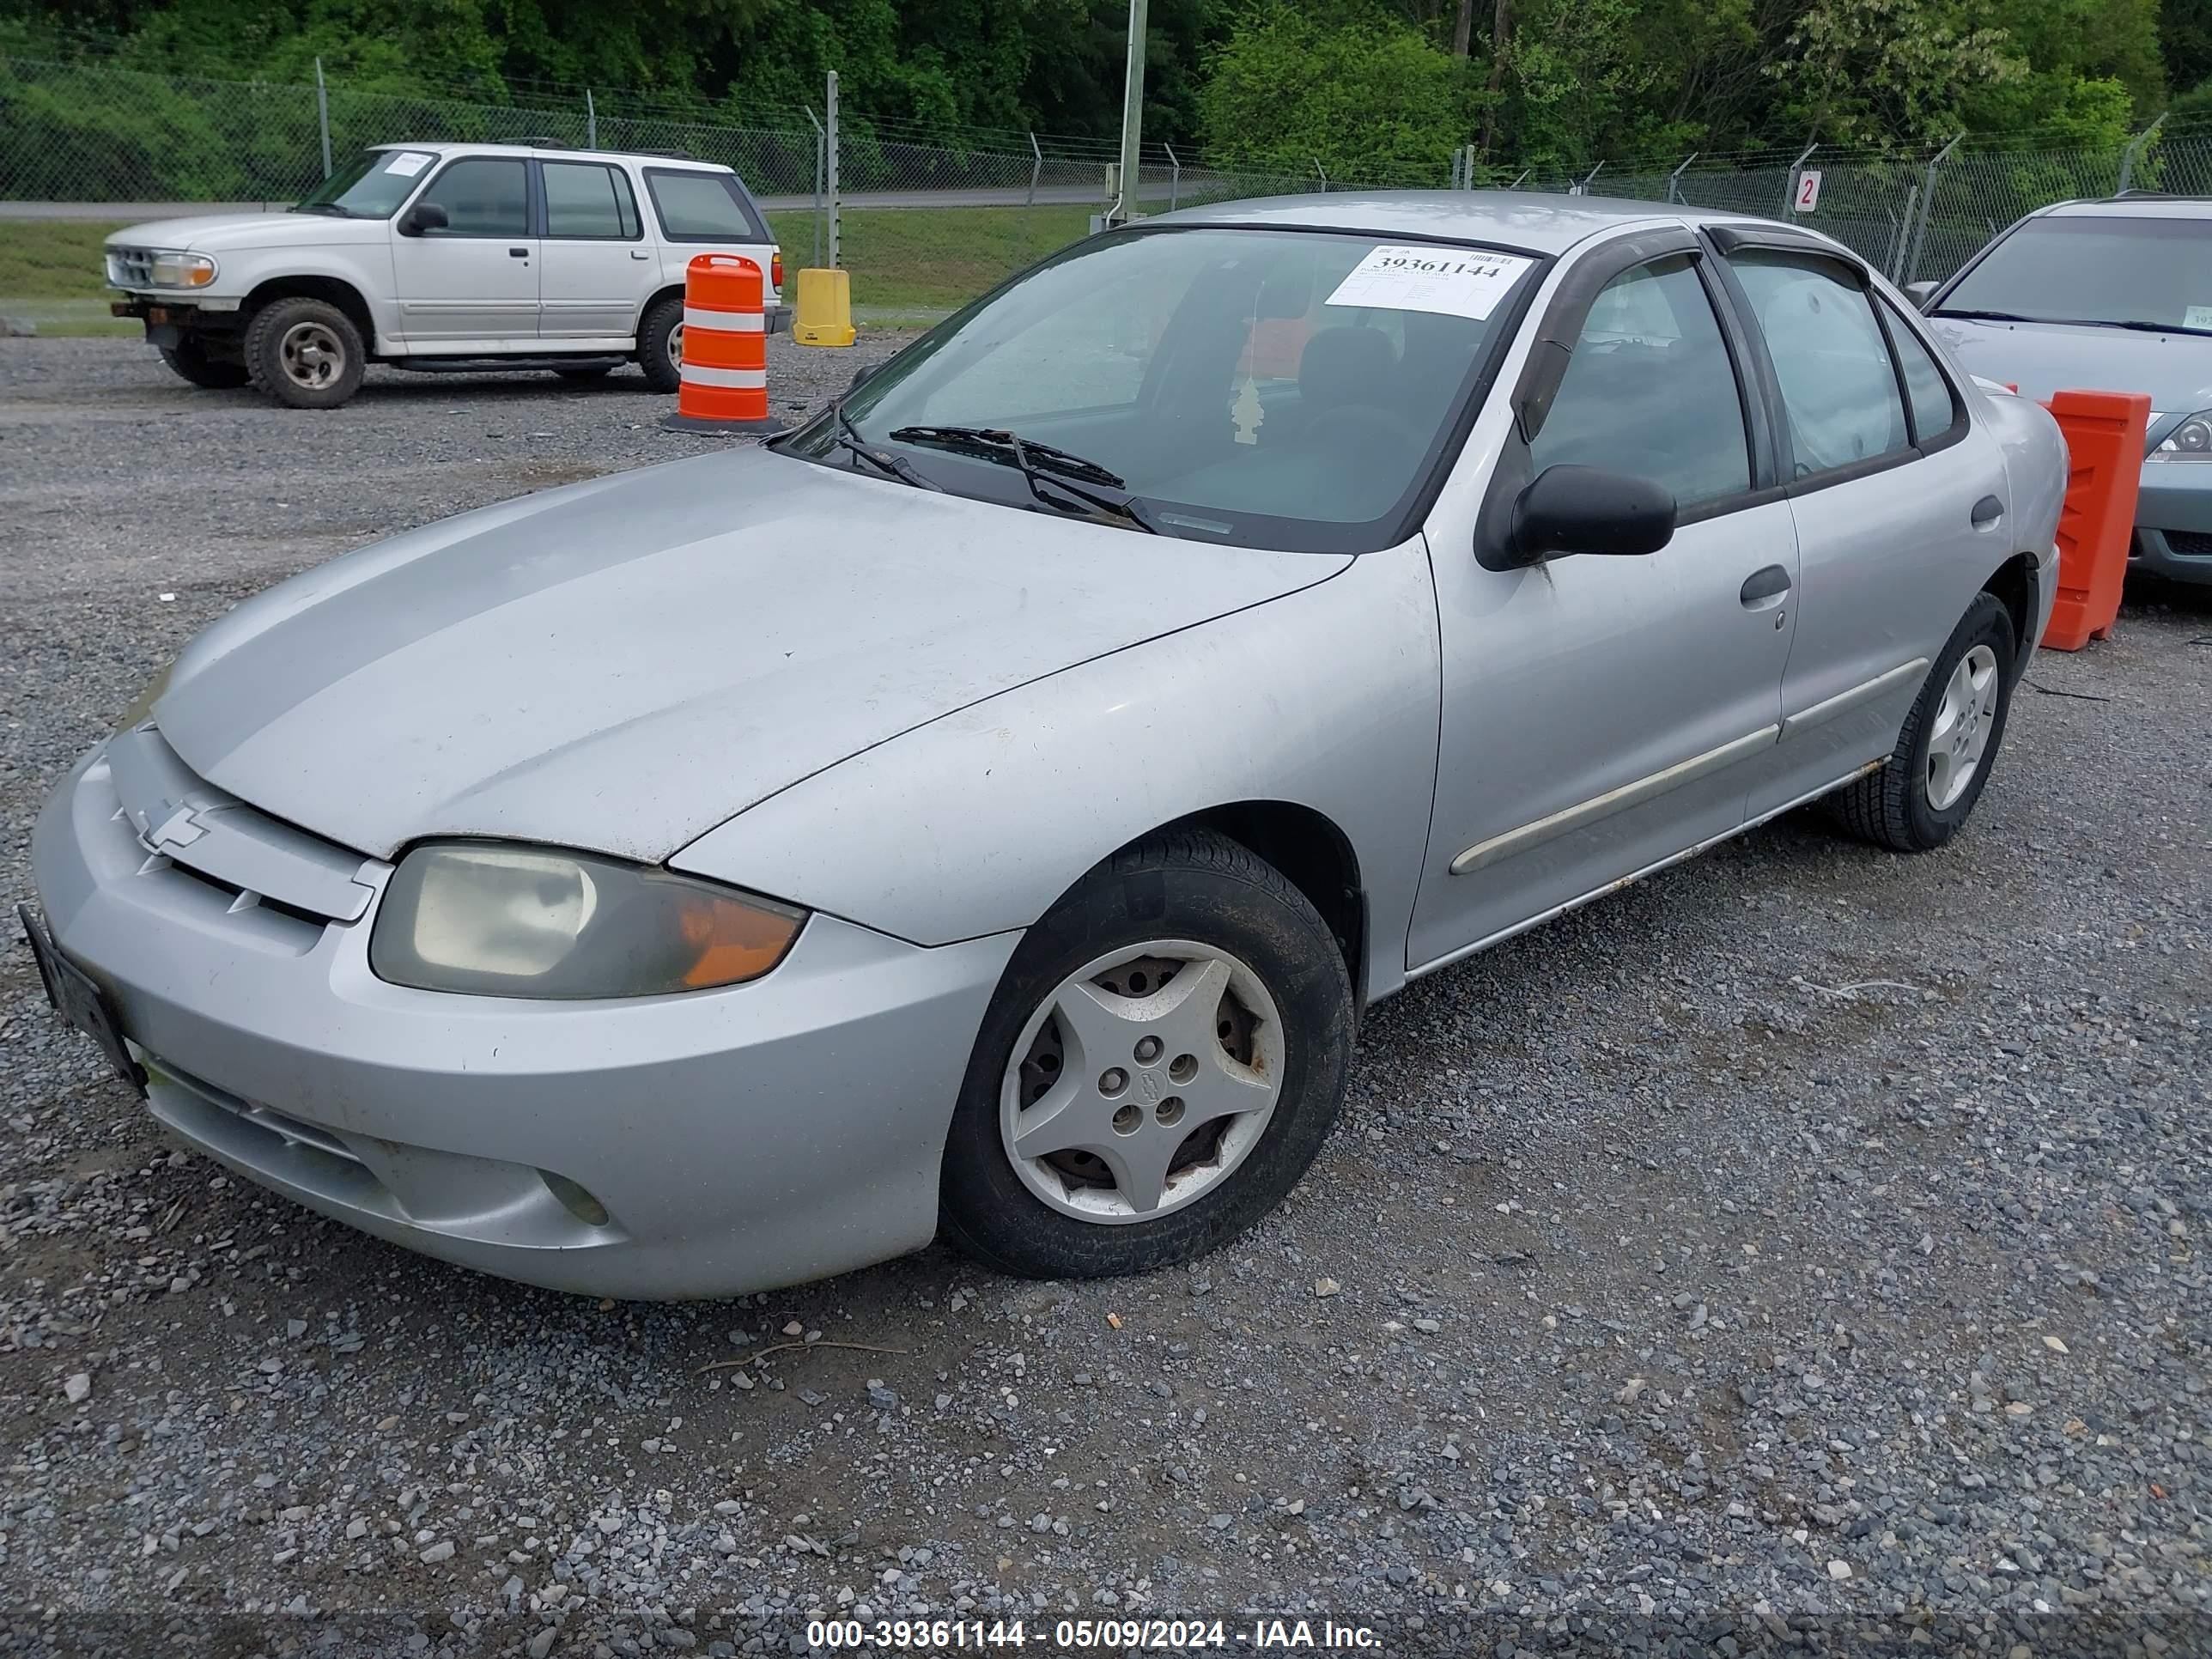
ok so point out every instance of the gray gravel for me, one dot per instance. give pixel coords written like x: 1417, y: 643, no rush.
x: 1806, y: 1236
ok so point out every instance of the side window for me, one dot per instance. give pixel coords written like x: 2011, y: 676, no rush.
x: 482, y: 196
x: 1927, y: 393
x: 1651, y: 389
x: 587, y: 199
x: 1838, y: 386
x: 700, y: 207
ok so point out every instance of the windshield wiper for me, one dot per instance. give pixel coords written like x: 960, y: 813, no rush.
x: 2146, y: 328
x: 324, y: 207
x: 848, y: 437
x: 1040, y: 465
x: 1993, y: 316
x: 2074, y: 322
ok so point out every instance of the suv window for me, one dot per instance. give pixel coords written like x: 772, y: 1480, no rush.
x: 588, y: 199
x: 482, y: 196
x: 1927, y: 393
x: 1839, y: 384
x: 700, y: 207
x: 1651, y: 390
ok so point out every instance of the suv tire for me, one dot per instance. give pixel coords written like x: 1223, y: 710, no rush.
x: 305, y: 354
x: 1930, y: 782
x: 189, y: 360
x: 1244, y: 937
x: 658, y: 353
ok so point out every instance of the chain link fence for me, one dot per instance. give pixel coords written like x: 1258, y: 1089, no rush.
x: 925, y: 220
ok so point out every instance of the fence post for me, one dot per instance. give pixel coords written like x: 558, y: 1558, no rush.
x: 1458, y: 159
x: 323, y: 115
x: 1324, y: 175
x: 821, y: 156
x: 1582, y: 188
x: 829, y: 150
x: 1175, y: 178
x: 1789, y: 185
x: 1912, y: 273
x: 2135, y: 146
x: 590, y: 121
x: 1894, y: 267
x: 1036, y: 169
x: 1674, y: 178
x: 1517, y: 178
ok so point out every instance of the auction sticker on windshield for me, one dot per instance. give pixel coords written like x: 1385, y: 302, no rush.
x: 408, y: 162
x: 1457, y: 281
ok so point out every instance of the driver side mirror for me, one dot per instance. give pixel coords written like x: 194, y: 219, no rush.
x: 861, y: 375
x: 1586, y: 509
x: 424, y: 215
x: 1920, y: 294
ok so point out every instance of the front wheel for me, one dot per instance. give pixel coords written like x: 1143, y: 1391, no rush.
x: 1922, y: 794
x: 189, y: 360
x: 1163, y: 1059
x: 305, y: 353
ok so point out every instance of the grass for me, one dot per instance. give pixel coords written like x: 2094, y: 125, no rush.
x: 909, y: 266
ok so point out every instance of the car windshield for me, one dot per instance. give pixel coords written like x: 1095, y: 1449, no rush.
x: 2100, y: 269
x: 1261, y: 387
x: 370, y: 186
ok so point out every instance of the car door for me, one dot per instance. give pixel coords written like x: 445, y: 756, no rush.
x: 1603, y: 714
x: 471, y: 283
x: 1899, y: 501
x: 597, y: 270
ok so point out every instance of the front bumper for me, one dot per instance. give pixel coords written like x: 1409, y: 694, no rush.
x: 739, y: 1140
x: 2174, y: 522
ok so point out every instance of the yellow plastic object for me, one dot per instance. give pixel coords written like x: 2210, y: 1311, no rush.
x: 825, y: 308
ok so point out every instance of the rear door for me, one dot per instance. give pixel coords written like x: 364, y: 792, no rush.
x: 1900, y: 503
x: 471, y: 284
x: 598, y: 270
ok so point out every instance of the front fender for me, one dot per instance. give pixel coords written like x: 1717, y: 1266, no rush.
x: 976, y: 823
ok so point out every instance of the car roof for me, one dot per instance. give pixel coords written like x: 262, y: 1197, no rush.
x: 554, y: 153
x: 2135, y: 204
x: 1531, y: 221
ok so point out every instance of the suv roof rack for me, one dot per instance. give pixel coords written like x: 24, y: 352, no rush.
x: 541, y: 142
x: 671, y: 154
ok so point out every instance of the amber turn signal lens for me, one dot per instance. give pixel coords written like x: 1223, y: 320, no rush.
x: 734, y: 941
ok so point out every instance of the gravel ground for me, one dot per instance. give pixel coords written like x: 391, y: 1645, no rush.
x: 1806, y: 1237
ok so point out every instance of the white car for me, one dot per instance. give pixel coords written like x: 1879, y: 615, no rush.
x: 443, y: 256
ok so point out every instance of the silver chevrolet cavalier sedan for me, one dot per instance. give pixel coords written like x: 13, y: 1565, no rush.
x: 990, y: 807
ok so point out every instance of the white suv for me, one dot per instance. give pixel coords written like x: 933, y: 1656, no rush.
x: 442, y: 257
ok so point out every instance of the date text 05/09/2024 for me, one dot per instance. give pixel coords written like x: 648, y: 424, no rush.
x: 1078, y: 1635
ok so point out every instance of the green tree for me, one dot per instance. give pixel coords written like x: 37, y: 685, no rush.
x: 1874, y: 72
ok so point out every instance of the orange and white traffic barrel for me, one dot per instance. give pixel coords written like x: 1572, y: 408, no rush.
x: 724, y: 371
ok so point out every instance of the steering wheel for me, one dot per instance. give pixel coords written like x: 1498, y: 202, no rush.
x: 1361, y: 424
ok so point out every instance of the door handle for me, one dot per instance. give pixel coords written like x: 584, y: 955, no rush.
x: 1987, y: 512
x: 634, y: 254
x: 1768, y: 582
x: 518, y: 253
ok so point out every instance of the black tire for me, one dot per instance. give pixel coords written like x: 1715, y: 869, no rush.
x: 585, y: 372
x: 1193, y: 885
x: 655, y: 355
x: 265, y: 338
x: 189, y: 360
x: 1891, y: 807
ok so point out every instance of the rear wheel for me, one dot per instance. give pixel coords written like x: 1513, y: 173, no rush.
x: 1930, y: 782
x: 189, y: 360
x: 1165, y: 1057
x: 305, y: 353
x: 660, y: 342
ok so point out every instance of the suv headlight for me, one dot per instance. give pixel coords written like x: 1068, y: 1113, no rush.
x: 488, y: 919
x: 181, y: 271
x: 2190, y: 441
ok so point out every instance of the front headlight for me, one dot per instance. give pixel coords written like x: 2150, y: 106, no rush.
x: 486, y: 919
x: 182, y: 271
x: 2190, y: 441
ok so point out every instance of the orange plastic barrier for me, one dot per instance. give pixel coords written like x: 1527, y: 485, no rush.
x: 724, y: 384
x: 2104, y: 449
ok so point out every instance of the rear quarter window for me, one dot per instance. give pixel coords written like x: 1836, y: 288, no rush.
x: 702, y: 207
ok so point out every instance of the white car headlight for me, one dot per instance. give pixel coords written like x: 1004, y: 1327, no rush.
x: 488, y: 919
x: 182, y: 269
x: 2190, y: 441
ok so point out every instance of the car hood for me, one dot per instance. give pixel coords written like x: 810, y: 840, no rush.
x: 2175, y: 369
x: 623, y: 665
x: 215, y: 233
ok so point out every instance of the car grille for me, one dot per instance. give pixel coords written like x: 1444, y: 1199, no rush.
x: 2190, y: 544
x: 255, y: 862
x: 130, y: 267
